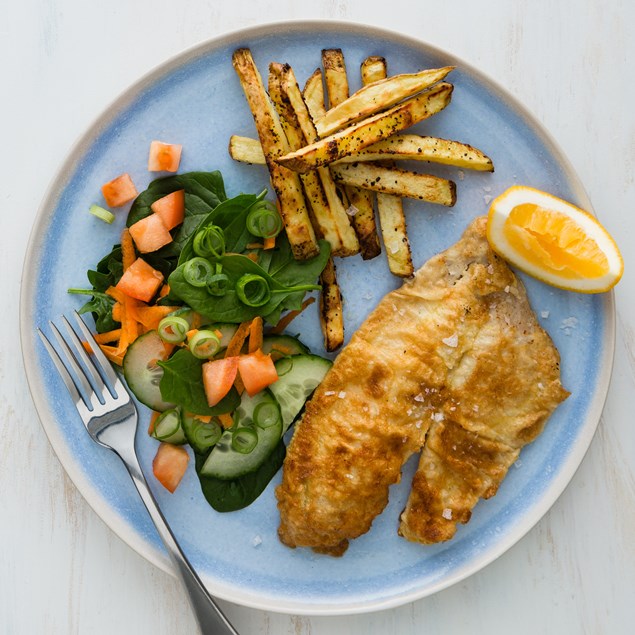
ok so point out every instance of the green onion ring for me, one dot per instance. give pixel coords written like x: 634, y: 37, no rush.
x: 264, y: 220
x: 253, y: 290
x: 209, y: 242
x: 266, y: 415
x: 197, y: 271
x: 206, y: 434
x: 244, y: 440
x: 204, y: 344
x: 172, y: 329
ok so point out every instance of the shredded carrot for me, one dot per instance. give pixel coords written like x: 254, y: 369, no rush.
x: 253, y: 256
x: 153, y: 419
x: 150, y: 316
x: 226, y: 420
x: 111, y: 353
x: 289, y: 317
x: 108, y: 337
x: 191, y: 333
x: 196, y: 320
x: 129, y: 324
x: 236, y: 343
x: 239, y: 384
x: 255, y: 334
x: 254, y: 246
x: 127, y: 249
x: 204, y: 418
x: 116, y: 294
x: 280, y: 350
x: 165, y: 289
x: 270, y: 243
x: 168, y: 349
x: 219, y: 334
x: 116, y: 311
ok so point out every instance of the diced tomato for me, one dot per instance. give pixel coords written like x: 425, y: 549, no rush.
x: 169, y: 465
x: 164, y: 157
x: 218, y: 378
x: 170, y: 208
x: 257, y: 371
x: 119, y: 191
x: 150, y: 234
x: 140, y: 281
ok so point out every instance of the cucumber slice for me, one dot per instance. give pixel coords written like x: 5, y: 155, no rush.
x: 142, y: 373
x: 226, y: 463
x: 168, y: 428
x: 298, y: 377
x: 282, y: 346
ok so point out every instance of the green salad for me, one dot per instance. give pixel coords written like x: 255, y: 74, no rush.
x: 192, y: 305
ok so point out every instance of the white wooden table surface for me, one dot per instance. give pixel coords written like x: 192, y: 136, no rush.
x: 62, y: 571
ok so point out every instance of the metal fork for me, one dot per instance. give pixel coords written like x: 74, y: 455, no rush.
x: 110, y: 416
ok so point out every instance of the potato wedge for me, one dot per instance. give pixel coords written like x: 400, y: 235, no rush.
x: 368, y: 131
x: 331, y: 309
x: 286, y: 183
x: 362, y: 212
x: 349, y: 243
x: 319, y: 208
x: 404, y: 147
x: 377, y: 96
x: 392, y: 219
x: 246, y: 150
x: 410, y: 147
x: 390, y: 180
x: 335, y: 76
x: 360, y: 202
x: 313, y: 93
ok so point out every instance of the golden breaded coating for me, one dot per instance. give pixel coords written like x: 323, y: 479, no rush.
x: 455, y: 360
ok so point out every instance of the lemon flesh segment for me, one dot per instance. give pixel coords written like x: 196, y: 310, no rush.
x: 553, y: 242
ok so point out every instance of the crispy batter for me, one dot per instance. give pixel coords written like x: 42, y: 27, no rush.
x: 456, y: 350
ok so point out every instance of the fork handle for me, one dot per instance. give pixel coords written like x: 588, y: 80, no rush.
x: 209, y: 616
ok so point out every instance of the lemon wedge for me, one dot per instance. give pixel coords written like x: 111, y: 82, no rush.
x: 553, y: 240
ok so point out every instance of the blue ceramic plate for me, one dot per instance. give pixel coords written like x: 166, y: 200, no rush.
x: 195, y: 99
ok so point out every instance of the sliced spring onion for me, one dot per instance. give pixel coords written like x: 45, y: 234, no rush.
x: 218, y: 284
x: 264, y: 220
x: 244, y: 440
x: 284, y: 365
x: 201, y: 435
x: 173, y: 329
x: 168, y: 428
x: 198, y: 271
x: 101, y: 213
x: 204, y: 344
x: 209, y: 242
x: 266, y: 414
x: 253, y: 290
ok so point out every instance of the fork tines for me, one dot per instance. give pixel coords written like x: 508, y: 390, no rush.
x: 87, y: 388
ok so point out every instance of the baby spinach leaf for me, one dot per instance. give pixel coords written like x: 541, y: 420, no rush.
x: 230, y: 216
x: 108, y: 271
x: 208, y: 187
x: 286, y: 286
x: 203, y: 192
x: 182, y: 384
x: 235, y: 494
x: 100, y: 305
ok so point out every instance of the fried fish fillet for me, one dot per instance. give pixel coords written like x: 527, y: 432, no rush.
x: 454, y: 362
